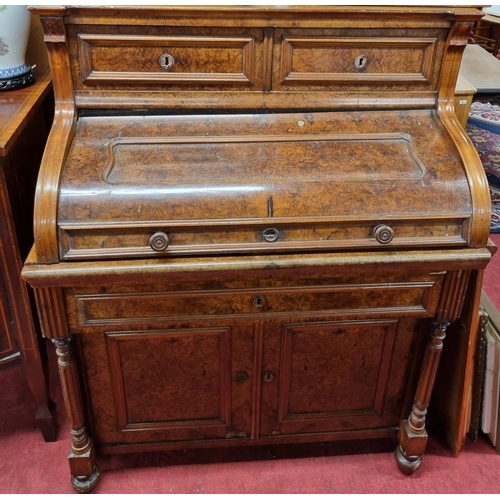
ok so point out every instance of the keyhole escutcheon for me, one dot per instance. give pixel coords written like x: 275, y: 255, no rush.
x: 361, y: 62
x: 241, y: 377
x: 271, y: 234
x: 166, y: 61
x: 259, y: 302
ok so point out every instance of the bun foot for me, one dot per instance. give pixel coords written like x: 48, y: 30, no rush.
x: 407, y: 465
x: 86, y: 484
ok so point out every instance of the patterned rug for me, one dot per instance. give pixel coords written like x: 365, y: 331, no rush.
x: 483, y: 127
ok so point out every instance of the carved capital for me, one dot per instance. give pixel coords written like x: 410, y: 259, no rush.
x: 452, y: 298
x: 54, y: 29
x: 52, y: 312
x: 460, y: 33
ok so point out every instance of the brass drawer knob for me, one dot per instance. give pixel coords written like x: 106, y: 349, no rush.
x: 384, y: 234
x: 159, y: 241
x: 166, y: 61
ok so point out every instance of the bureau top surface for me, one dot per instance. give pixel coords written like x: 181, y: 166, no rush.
x: 261, y: 10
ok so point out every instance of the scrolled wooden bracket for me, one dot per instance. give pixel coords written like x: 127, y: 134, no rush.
x: 63, y: 128
x: 479, y: 225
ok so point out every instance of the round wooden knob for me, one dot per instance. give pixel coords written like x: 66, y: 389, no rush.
x: 159, y: 241
x: 384, y: 234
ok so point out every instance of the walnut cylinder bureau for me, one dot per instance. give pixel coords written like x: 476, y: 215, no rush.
x: 253, y: 225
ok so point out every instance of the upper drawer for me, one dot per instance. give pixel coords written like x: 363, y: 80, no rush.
x: 170, y: 58
x: 380, y: 58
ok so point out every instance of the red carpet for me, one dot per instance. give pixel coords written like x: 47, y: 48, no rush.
x: 29, y: 465
x: 491, y: 283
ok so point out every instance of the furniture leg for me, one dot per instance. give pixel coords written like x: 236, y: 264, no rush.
x: 412, y: 434
x: 85, y: 473
x: 36, y: 369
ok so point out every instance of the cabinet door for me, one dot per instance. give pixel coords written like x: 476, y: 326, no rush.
x: 329, y: 375
x: 181, y: 383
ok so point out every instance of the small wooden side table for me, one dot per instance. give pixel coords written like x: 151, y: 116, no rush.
x: 481, y: 70
x: 464, y: 93
x: 25, y: 119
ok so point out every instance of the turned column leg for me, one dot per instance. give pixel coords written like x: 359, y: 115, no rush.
x: 84, y: 471
x: 412, y: 434
x: 52, y: 314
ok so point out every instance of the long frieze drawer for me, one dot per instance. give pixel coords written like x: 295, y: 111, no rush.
x: 419, y: 297
x: 83, y: 242
x: 304, y: 58
x: 190, y: 59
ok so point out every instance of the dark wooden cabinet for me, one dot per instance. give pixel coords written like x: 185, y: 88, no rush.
x: 254, y: 225
x: 25, y: 120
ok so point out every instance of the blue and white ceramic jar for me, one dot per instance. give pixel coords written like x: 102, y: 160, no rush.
x: 15, y: 22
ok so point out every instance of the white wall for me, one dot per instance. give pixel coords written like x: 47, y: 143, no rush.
x: 493, y: 9
x: 36, y: 53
